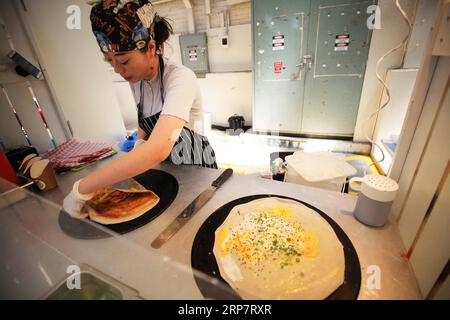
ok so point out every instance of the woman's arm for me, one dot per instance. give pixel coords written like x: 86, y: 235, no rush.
x: 155, y: 150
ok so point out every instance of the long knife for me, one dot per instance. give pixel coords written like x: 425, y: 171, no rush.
x: 190, y: 210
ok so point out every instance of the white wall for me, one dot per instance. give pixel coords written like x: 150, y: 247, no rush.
x: 390, y: 120
x: 401, y: 82
x: 127, y: 104
x: 225, y: 94
x: 425, y: 14
x: 428, y: 264
x: 238, y: 55
x: 16, y: 87
x: 74, y: 68
x: 176, y: 11
x: 424, y: 191
x: 393, y: 30
x: 172, y: 49
x: 228, y: 88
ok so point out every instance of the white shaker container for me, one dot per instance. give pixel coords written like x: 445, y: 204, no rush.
x: 377, y: 193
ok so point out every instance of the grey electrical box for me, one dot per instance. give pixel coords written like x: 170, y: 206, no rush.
x: 309, y: 60
x: 194, y: 52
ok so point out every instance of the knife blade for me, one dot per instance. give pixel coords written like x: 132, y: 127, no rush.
x: 129, y: 185
x: 190, y: 210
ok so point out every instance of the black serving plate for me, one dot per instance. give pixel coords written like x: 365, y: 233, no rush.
x: 160, y: 182
x: 202, y: 256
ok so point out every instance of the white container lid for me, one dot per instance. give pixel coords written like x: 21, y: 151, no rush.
x: 379, y: 188
x: 319, y: 166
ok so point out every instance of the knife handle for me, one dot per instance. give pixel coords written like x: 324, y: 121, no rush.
x: 222, y: 178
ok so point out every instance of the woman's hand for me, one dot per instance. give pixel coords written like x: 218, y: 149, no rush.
x: 74, y: 202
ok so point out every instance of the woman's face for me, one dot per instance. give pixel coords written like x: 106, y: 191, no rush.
x: 133, y: 65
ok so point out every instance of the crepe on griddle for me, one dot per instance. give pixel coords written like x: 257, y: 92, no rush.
x: 110, y: 206
x: 274, y: 248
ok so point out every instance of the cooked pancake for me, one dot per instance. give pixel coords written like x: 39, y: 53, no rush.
x: 109, y: 206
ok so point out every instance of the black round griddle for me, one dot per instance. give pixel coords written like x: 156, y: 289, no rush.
x: 160, y: 182
x: 202, y: 256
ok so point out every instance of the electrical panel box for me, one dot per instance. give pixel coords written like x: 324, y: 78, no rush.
x: 309, y: 61
x: 194, y: 52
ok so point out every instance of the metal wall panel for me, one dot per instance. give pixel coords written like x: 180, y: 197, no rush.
x: 194, y: 52
x: 333, y: 87
x: 312, y: 84
x: 279, y: 36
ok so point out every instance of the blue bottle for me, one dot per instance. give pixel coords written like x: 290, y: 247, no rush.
x: 128, y: 144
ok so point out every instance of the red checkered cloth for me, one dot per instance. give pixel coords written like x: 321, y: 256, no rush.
x: 73, y: 154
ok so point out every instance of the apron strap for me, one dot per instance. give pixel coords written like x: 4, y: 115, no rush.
x: 161, y: 87
x: 161, y: 74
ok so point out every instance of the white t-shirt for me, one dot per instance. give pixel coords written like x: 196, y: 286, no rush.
x: 182, y: 95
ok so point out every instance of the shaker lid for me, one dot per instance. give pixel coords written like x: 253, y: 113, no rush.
x: 379, y: 188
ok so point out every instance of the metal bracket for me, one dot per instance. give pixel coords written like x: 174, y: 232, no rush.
x: 307, y: 59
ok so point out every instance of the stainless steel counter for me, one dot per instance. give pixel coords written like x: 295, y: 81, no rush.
x: 165, y: 273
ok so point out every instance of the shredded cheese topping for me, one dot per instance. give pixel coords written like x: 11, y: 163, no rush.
x: 269, y: 233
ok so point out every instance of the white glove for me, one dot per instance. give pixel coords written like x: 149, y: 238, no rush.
x: 138, y: 142
x: 74, y: 201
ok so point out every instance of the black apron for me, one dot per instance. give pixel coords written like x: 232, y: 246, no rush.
x: 191, y: 148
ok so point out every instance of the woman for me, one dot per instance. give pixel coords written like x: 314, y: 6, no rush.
x: 131, y: 37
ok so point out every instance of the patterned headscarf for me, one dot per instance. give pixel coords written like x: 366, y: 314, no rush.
x: 122, y: 25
